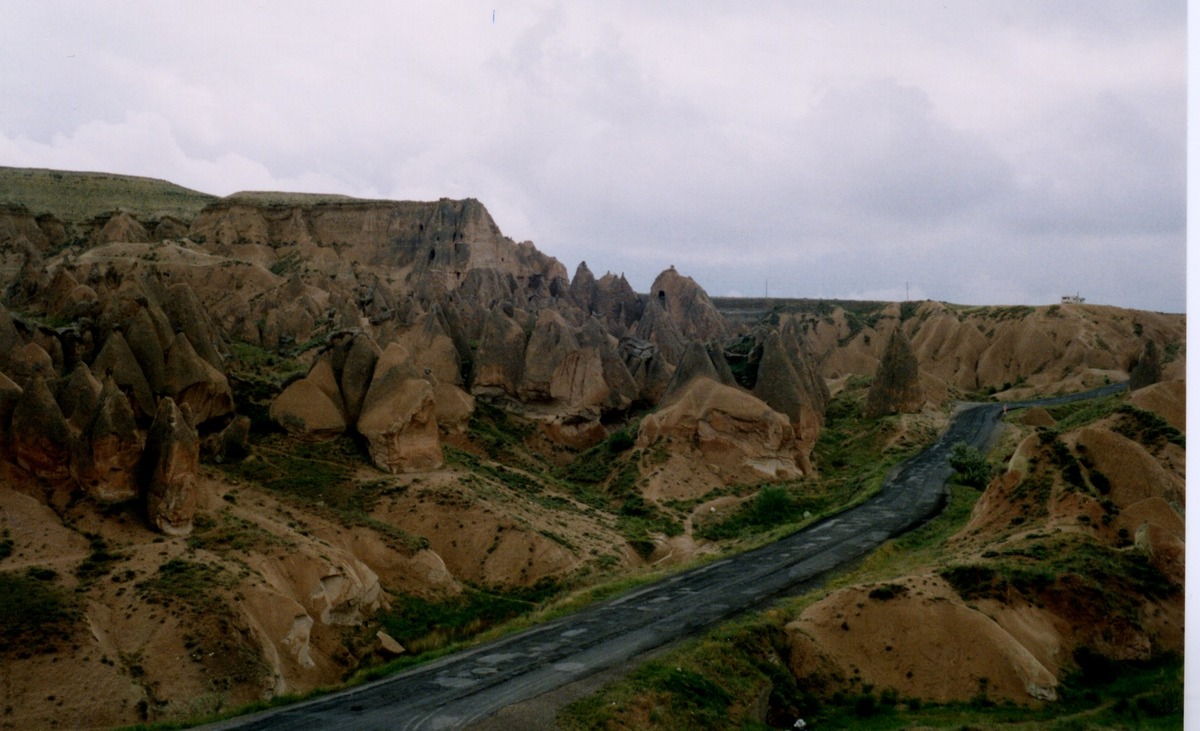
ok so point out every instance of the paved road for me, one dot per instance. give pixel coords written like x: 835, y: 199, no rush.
x: 462, y: 689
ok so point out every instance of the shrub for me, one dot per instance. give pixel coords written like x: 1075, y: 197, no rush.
x: 971, y: 465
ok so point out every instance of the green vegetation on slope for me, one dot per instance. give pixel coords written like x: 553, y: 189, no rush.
x: 80, y: 196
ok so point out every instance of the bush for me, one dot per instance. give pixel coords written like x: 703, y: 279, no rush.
x: 971, y: 465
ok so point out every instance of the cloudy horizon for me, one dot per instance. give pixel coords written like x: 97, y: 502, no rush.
x: 971, y: 152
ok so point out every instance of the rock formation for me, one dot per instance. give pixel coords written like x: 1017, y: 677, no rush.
x: 399, y: 417
x: 728, y: 428
x: 105, y: 457
x: 41, y: 437
x: 169, y: 466
x: 1148, y: 369
x: 897, y: 387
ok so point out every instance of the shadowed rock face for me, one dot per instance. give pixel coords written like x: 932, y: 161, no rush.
x: 897, y: 388
x: 41, y: 437
x: 106, y: 455
x: 1148, y: 369
x: 169, y: 467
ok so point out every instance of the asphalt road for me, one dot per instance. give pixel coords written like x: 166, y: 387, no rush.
x: 462, y: 689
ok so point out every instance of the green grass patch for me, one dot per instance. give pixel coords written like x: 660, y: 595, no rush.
x: 35, y: 612
x: 423, y: 626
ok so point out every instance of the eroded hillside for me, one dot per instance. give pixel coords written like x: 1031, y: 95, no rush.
x: 255, y: 445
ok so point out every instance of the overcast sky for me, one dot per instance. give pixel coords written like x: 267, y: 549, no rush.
x: 974, y: 152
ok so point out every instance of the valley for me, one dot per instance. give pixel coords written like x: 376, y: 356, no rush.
x: 264, y: 445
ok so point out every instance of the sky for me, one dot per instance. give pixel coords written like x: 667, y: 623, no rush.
x: 999, y: 152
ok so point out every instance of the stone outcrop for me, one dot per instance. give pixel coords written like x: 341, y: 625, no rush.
x: 688, y: 306
x: 551, y: 342
x: 1148, y: 369
x: 501, y: 356
x: 105, y: 456
x: 168, y: 469
x: 191, y: 381
x: 399, y: 417
x: 897, y: 387
x: 117, y: 359
x: 727, y: 428
x: 307, y: 412
x: 40, y: 434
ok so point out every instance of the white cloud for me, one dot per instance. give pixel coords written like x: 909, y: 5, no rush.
x: 839, y: 147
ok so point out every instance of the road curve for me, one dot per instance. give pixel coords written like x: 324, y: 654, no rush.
x: 456, y: 691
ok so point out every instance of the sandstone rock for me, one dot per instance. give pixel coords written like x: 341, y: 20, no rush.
x: 30, y: 360
x: 122, y: 227
x: 399, y: 424
x: 168, y: 470
x: 896, y: 388
x: 306, y: 412
x: 696, y: 362
x: 232, y: 444
x: 191, y: 381
x: 188, y: 313
x: 1148, y: 369
x: 142, y: 335
x: 388, y: 645
x: 169, y: 227
x: 551, y: 342
x: 116, y: 359
x: 41, y: 437
x: 657, y: 327
x: 399, y: 415
x: 688, y: 306
x: 106, y: 455
x: 353, y: 365
x: 78, y: 395
x: 584, y: 291
x: 452, y: 408
x: 501, y: 356
x: 730, y: 429
x: 649, y: 369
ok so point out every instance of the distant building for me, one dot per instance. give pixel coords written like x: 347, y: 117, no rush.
x: 1072, y: 299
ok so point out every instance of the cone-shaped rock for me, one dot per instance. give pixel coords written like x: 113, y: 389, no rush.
x: 354, y: 365
x: 650, y: 371
x: 168, y: 470
x: 190, y: 380
x: 657, y: 327
x: 501, y: 356
x: 142, y: 335
x: 697, y: 361
x: 1148, y: 369
x: 688, y: 306
x: 188, y: 314
x: 551, y: 342
x: 117, y: 359
x: 106, y: 455
x: 306, y: 412
x: 41, y: 437
x: 897, y: 387
x: 77, y: 396
x: 30, y: 360
x: 122, y: 227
